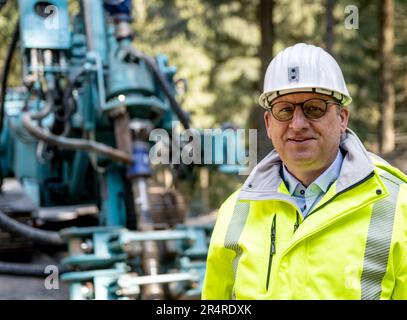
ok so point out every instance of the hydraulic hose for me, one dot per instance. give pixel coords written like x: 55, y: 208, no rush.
x: 183, y: 118
x: 26, y: 269
x: 6, y: 69
x: 26, y: 231
x: 73, y: 143
x: 67, y: 96
x: 44, y: 112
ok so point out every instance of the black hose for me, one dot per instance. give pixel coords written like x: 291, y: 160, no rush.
x: 6, y: 70
x: 183, y: 118
x: 68, y: 92
x: 26, y: 231
x: 27, y: 269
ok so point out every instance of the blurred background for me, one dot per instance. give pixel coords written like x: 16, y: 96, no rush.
x: 222, y: 48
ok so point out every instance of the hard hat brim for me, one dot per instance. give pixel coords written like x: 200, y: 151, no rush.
x: 267, y: 97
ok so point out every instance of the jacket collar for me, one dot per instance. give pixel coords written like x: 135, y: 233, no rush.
x: 264, y: 181
x: 323, y: 182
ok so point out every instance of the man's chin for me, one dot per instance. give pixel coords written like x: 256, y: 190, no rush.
x: 301, y: 159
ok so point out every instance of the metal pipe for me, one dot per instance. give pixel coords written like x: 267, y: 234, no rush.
x: 150, y: 254
x: 48, y: 108
x: 150, y: 263
x: 128, y: 281
x: 146, y: 223
x: 95, y: 27
x: 72, y: 143
x: 121, y: 129
x: 87, y: 13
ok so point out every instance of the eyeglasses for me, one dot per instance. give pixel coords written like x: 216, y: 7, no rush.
x: 313, y: 109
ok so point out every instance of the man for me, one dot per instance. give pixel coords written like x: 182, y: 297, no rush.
x: 319, y: 217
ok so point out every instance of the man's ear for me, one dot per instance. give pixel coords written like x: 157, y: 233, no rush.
x: 344, y: 115
x: 267, y: 116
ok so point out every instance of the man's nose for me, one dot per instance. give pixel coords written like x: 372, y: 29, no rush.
x: 299, y: 120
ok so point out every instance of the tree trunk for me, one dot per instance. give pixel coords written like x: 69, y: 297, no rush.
x: 256, y: 117
x: 387, y: 103
x: 329, y: 25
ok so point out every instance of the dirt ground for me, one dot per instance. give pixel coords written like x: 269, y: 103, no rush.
x: 32, y: 288
x: 29, y: 288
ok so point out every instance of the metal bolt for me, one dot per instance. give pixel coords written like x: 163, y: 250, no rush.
x: 87, y: 246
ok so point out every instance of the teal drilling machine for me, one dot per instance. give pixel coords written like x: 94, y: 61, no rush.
x: 76, y: 137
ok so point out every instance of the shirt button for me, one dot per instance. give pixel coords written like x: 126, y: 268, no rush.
x: 302, y: 191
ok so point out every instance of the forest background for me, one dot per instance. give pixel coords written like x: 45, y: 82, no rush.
x: 223, y: 47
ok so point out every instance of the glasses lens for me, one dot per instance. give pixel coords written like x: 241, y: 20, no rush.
x: 314, y: 108
x: 283, y: 111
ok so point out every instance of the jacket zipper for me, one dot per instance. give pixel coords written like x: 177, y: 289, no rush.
x: 272, y: 249
x: 339, y: 193
x: 343, y: 191
x: 297, y: 221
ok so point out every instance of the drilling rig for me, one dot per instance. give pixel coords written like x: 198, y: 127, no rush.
x: 76, y: 137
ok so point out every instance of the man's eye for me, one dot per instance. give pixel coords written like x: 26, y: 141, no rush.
x: 288, y: 109
x: 284, y: 108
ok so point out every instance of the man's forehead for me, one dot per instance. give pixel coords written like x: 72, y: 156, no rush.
x: 301, y: 96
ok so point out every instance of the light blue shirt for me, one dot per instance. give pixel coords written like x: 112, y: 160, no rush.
x: 307, y: 198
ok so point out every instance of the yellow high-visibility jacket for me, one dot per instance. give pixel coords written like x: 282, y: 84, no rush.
x: 352, y: 245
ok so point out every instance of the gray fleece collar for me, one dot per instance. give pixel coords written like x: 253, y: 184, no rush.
x: 264, y: 181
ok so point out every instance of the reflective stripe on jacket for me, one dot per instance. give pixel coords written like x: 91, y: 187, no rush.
x: 352, y: 245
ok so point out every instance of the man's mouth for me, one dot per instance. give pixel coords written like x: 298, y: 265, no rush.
x: 299, y: 140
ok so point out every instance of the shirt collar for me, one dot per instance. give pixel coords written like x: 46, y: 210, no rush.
x: 323, y: 181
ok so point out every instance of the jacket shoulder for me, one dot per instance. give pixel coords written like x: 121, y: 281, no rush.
x: 231, y: 200
x: 223, y: 219
x: 386, y: 170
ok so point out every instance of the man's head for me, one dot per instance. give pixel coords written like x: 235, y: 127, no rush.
x: 305, y: 96
x: 302, y: 142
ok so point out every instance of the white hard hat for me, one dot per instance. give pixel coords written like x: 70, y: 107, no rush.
x: 304, y: 68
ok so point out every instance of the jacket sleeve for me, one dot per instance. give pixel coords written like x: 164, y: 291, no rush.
x: 400, y: 289
x: 219, y: 275
x: 400, y: 252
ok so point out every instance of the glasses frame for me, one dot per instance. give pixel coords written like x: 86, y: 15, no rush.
x: 301, y: 104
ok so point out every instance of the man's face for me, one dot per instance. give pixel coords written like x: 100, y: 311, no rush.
x: 307, y: 144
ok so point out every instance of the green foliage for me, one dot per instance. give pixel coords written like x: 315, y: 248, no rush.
x: 215, y: 45
x: 8, y: 20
